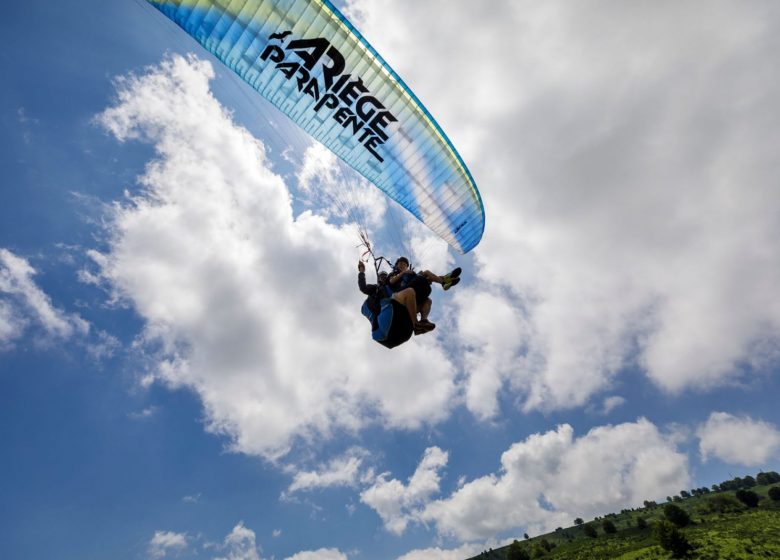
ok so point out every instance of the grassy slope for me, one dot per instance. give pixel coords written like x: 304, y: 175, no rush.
x: 746, y: 534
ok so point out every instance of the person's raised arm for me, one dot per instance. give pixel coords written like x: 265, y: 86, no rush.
x: 362, y: 286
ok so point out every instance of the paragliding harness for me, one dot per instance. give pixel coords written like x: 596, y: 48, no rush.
x: 372, y: 307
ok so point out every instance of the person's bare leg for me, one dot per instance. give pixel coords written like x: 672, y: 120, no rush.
x: 425, y: 309
x: 431, y: 277
x: 424, y: 325
x: 407, y: 299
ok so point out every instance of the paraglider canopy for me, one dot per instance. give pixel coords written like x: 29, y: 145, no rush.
x: 310, y: 62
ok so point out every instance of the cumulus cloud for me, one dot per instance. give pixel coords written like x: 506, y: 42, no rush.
x: 252, y: 307
x: 437, y: 553
x: 164, y: 543
x: 549, y: 479
x: 191, y: 498
x: 628, y: 174
x: 612, y: 402
x: 240, y: 545
x: 326, y: 186
x: 143, y: 414
x: 11, y: 325
x: 398, y: 503
x: 341, y: 471
x: 492, y: 325
x: 738, y: 440
x: 321, y: 554
x: 23, y: 304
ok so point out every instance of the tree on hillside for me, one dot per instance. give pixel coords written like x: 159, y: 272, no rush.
x: 764, y: 478
x: 525, y: 536
x: 641, y: 523
x: 774, y: 493
x: 737, y: 483
x: 609, y: 527
x: 748, y: 497
x: 733, y: 484
x: 685, y: 494
x: 517, y: 552
x: 578, y: 521
x: 677, y: 515
x: 672, y: 539
x: 590, y: 531
x: 723, y: 503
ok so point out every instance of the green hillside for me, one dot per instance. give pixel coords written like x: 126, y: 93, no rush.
x: 738, y: 519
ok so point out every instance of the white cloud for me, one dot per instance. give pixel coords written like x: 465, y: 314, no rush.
x: 164, y: 543
x: 398, y: 503
x: 254, y: 309
x: 11, y: 325
x: 490, y: 326
x: 23, y: 303
x: 240, y: 545
x: 143, y: 414
x: 191, y: 498
x: 549, y: 479
x: 341, y: 471
x: 321, y: 554
x: 426, y: 250
x: 628, y: 174
x: 328, y: 187
x: 738, y: 440
x: 436, y: 553
x: 612, y: 402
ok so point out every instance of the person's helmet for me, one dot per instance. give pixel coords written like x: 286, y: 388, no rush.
x: 402, y: 259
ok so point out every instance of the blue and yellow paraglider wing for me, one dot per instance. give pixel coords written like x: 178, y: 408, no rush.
x: 313, y: 65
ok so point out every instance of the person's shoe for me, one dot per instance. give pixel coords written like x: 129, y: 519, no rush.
x: 424, y: 327
x: 449, y: 283
x: 452, y: 275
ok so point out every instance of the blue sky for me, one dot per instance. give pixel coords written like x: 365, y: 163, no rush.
x: 184, y: 371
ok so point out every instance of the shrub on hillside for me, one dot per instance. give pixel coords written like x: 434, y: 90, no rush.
x: 748, y: 497
x: 774, y: 493
x: 641, y: 523
x: 609, y: 527
x: 590, y: 531
x: 677, y: 515
x: 722, y: 503
x: 517, y: 552
x: 673, y: 540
